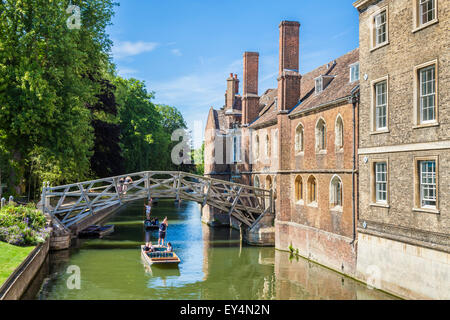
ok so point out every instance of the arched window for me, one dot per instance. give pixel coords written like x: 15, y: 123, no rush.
x: 336, y: 192
x: 269, y: 186
x: 339, y: 132
x: 257, y: 147
x: 275, y: 143
x: 312, y: 190
x: 269, y: 182
x: 268, y: 151
x: 298, y: 189
x: 299, y: 138
x: 257, y: 183
x: 321, y: 135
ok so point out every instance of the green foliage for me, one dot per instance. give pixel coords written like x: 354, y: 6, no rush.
x: 146, y: 129
x: 65, y: 116
x: 47, y: 76
x: 22, y: 225
x: 199, y: 160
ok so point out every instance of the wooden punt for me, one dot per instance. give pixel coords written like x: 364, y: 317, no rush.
x: 160, y: 256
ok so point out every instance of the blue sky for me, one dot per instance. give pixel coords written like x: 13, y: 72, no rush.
x: 185, y: 49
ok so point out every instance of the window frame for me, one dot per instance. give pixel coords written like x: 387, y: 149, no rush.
x: 321, y: 136
x: 417, y: 122
x: 373, y: 32
x: 352, y: 66
x: 299, y: 149
x: 257, y: 147
x: 373, y: 183
x: 267, y: 145
x: 417, y: 17
x: 237, y: 148
x: 298, y: 189
x: 340, y: 134
x: 418, y: 205
x: 318, y: 89
x: 373, y: 124
x: 336, y: 205
x: 312, y: 203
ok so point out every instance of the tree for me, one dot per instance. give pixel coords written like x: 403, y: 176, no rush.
x: 47, y: 77
x: 140, y: 125
x: 107, y: 159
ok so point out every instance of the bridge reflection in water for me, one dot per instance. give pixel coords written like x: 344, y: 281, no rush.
x: 214, y: 266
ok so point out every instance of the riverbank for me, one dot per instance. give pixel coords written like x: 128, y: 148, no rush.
x: 10, y: 258
x: 16, y: 284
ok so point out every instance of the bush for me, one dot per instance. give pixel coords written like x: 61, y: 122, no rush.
x: 22, y: 225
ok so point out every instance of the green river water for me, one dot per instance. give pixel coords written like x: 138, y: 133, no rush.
x: 214, y: 265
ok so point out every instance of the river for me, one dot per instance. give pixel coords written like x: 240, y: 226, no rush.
x: 214, y: 265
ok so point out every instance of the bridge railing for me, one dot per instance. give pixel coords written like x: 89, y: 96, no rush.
x: 72, y: 203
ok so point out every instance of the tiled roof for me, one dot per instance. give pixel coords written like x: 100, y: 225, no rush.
x: 339, y: 87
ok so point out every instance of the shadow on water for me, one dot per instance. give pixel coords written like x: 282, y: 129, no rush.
x: 214, y: 265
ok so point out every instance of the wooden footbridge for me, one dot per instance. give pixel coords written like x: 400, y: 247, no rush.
x: 69, y: 205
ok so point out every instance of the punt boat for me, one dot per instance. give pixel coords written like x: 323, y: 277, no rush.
x: 160, y: 256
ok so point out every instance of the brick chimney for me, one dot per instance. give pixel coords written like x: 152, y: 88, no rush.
x: 289, y: 76
x: 236, y: 82
x: 250, y: 87
x: 231, y: 92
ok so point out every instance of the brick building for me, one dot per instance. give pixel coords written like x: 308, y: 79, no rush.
x: 300, y: 140
x: 404, y: 155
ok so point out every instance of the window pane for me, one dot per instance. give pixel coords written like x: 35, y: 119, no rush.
x: 380, y: 28
x: 381, y: 103
x: 381, y: 182
x: 427, y: 11
x: 428, y: 183
x: 427, y: 94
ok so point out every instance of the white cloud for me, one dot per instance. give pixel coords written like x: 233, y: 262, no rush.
x: 123, y: 72
x: 176, y: 52
x: 127, y: 49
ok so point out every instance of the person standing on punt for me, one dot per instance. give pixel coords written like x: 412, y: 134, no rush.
x: 162, y: 231
x: 148, y: 208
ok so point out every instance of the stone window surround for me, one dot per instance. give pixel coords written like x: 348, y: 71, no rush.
x: 351, y: 68
x: 417, y: 201
x: 416, y: 93
x: 314, y: 203
x: 338, y: 208
x: 299, y: 151
x: 416, y: 18
x: 373, y: 107
x: 373, y: 202
x: 339, y: 148
x: 298, y: 182
x: 321, y: 149
x: 256, y: 182
x: 268, y: 147
x: 373, y: 45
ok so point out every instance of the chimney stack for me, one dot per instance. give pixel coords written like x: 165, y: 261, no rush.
x: 250, y: 87
x: 289, y: 76
x: 231, y: 92
x: 236, y: 84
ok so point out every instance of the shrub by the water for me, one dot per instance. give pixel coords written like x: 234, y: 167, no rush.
x: 22, y: 225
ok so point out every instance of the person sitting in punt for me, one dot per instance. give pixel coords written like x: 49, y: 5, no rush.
x: 147, y: 246
x: 169, y: 247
